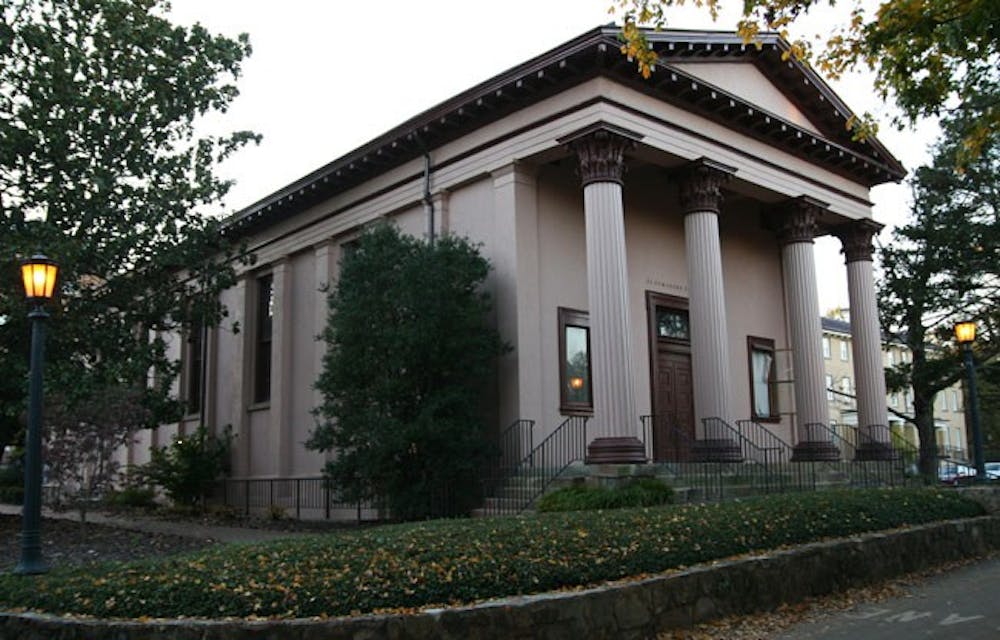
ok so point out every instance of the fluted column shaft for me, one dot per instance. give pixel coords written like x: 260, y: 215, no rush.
x: 797, y: 229
x: 866, y: 338
x: 615, y: 425
x: 701, y: 196
x: 615, y: 412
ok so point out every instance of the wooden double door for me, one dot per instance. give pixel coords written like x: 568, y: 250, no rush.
x: 672, y: 425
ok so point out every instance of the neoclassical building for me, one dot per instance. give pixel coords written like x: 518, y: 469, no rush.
x: 651, y: 243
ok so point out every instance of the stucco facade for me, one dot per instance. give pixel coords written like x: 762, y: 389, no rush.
x: 690, y: 198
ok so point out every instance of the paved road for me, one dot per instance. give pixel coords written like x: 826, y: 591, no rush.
x: 959, y: 605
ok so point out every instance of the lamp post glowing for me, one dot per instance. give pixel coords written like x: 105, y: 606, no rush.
x: 965, y: 334
x: 39, y: 276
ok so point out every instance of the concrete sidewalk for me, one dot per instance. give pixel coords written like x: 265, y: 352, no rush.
x: 179, y: 528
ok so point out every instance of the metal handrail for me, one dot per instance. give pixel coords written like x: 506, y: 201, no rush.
x: 532, y: 475
x: 765, y: 439
x: 830, y: 435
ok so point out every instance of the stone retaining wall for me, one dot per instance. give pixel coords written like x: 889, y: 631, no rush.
x: 623, y: 610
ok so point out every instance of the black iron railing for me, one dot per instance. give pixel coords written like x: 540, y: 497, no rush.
x: 908, y: 456
x: 665, y: 441
x: 673, y: 449
x: 777, y: 450
x: 862, y: 469
x: 301, y: 498
x: 532, y: 475
x: 514, y: 443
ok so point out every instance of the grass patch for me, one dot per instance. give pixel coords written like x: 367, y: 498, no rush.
x: 644, y: 492
x: 444, y: 562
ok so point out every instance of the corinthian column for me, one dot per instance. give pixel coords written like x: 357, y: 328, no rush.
x: 797, y: 227
x: 701, y: 196
x: 600, y: 151
x: 866, y: 340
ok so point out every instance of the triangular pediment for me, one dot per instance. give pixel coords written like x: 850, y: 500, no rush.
x: 745, y: 80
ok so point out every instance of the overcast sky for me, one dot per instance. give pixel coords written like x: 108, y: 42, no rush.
x: 315, y: 85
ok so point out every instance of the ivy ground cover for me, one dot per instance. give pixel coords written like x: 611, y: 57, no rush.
x: 460, y: 561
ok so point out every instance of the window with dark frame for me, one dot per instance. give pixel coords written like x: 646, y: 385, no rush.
x: 195, y: 365
x: 575, y: 392
x: 763, y: 379
x: 262, y: 343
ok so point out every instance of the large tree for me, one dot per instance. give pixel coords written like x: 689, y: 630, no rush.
x: 932, y: 57
x: 410, y: 357
x: 943, y: 266
x: 101, y: 170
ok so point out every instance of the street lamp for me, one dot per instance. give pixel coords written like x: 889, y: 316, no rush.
x: 965, y: 333
x: 39, y: 276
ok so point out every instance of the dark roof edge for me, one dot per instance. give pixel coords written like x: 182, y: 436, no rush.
x: 407, y: 135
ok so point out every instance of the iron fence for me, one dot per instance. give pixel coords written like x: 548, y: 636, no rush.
x: 309, y: 498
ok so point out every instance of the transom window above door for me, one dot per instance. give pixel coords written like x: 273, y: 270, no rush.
x: 673, y: 324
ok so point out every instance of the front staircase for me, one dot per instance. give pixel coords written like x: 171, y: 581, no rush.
x: 757, y: 462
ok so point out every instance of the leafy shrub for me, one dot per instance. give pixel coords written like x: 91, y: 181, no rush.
x: 643, y: 492
x: 188, y: 468
x: 12, y: 494
x: 452, y: 561
x: 11, y: 475
x: 133, y: 497
x: 410, y: 356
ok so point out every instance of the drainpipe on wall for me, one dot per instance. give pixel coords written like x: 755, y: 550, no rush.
x: 428, y: 199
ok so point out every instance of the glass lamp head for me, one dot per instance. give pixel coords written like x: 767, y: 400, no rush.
x: 965, y: 332
x: 39, y: 276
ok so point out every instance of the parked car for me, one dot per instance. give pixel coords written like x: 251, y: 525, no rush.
x: 954, y: 473
x: 993, y: 470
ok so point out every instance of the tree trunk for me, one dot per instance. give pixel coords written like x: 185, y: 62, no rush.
x: 923, y: 417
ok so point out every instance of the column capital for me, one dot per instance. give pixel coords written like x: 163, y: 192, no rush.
x: 856, y: 239
x: 600, y: 151
x: 798, y: 220
x: 700, y: 185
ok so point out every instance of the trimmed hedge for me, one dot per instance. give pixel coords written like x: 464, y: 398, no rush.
x: 447, y: 562
x: 644, y: 492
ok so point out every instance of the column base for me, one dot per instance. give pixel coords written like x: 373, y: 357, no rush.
x: 815, y: 451
x: 627, y: 450
x: 874, y: 450
x: 716, y: 450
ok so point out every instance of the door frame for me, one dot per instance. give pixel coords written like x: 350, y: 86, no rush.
x: 657, y: 345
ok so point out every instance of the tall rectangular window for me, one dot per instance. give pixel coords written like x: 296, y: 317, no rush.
x: 826, y: 347
x: 262, y: 339
x: 843, y: 351
x: 575, y: 392
x: 829, y: 388
x: 194, y: 360
x: 763, y: 379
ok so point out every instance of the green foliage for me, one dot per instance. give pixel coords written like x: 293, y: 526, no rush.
x: 456, y: 561
x: 933, y: 57
x: 81, y: 441
x: 100, y: 169
x: 644, y: 492
x: 940, y: 268
x: 11, y: 494
x: 12, y: 475
x: 408, y: 362
x: 188, y: 468
x: 134, y: 497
